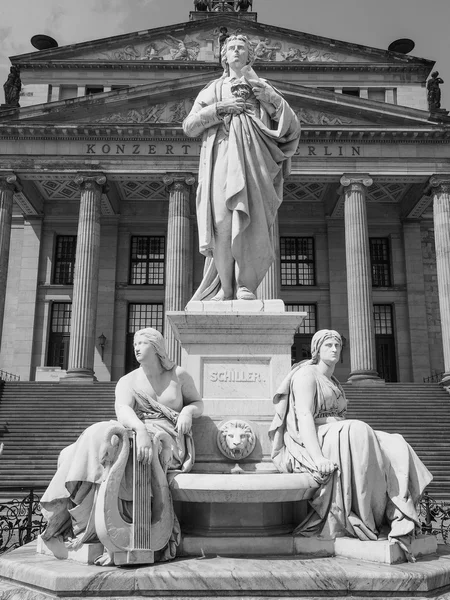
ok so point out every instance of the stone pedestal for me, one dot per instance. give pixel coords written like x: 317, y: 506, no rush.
x: 238, y: 352
x: 7, y: 188
x: 359, y: 281
x: 85, y: 286
x: 178, y: 255
x: 441, y: 217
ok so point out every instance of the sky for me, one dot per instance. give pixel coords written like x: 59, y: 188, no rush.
x: 374, y: 23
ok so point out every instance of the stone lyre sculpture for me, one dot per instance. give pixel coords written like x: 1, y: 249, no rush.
x: 249, y: 135
x: 370, y: 481
x: 103, y: 490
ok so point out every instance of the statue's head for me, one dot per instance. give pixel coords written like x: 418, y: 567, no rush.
x: 319, y: 338
x: 157, y: 341
x: 242, y: 39
x: 435, y: 74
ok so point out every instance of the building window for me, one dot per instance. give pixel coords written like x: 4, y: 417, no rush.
x: 141, y: 316
x: 58, y: 346
x: 385, y: 351
x: 147, y: 260
x: 382, y: 314
x: 64, y: 264
x: 297, y: 261
x: 301, y: 348
x: 381, y: 263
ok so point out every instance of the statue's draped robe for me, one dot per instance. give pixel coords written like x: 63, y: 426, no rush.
x: 243, y: 161
x: 379, y: 480
x: 68, y: 504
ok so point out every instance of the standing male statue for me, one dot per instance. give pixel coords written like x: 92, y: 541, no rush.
x: 249, y: 135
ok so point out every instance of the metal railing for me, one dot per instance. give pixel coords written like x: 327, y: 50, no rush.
x: 5, y: 376
x: 21, y: 521
x: 435, y: 378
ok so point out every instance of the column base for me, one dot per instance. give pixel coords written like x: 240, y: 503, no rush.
x: 365, y: 378
x: 79, y: 376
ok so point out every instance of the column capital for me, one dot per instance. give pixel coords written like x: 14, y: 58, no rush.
x: 9, y: 182
x: 178, y: 182
x: 95, y: 182
x: 440, y: 183
x: 362, y: 180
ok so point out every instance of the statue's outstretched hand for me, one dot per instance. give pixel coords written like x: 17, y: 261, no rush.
x: 144, y: 446
x: 184, y: 422
x: 230, y: 106
x: 325, y: 466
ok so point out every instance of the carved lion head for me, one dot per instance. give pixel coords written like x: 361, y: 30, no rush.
x: 236, y: 439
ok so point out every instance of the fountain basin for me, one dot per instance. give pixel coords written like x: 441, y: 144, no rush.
x: 242, y: 488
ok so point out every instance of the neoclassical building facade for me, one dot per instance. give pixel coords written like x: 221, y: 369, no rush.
x: 97, y: 200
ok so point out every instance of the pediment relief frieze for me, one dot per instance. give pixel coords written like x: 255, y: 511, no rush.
x: 177, y: 111
x: 168, y: 112
x: 204, y: 46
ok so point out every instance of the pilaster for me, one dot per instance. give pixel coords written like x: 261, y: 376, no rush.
x: 8, y: 185
x: 441, y: 215
x: 178, y: 261
x: 359, y: 281
x: 85, y: 286
x: 417, y: 313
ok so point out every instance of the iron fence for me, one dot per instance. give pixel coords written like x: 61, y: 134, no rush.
x: 435, y: 378
x: 5, y: 376
x: 21, y: 521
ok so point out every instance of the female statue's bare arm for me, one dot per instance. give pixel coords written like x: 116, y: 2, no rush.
x: 124, y: 407
x: 304, y: 389
x: 192, y: 402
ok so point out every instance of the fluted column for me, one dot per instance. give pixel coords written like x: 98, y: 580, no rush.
x: 359, y: 280
x: 85, y: 285
x: 178, y: 261
x: 441, y: 216
x: 269, y: 288
x: 7, y: 188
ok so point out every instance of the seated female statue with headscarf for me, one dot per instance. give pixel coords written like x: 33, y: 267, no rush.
x: 370, y: 482
x: 155, y: 404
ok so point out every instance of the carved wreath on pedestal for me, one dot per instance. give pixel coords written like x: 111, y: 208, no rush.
x: 236, y: 439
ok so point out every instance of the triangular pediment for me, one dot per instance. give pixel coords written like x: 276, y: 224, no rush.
x: 197, y: 41
x: 169, y: 102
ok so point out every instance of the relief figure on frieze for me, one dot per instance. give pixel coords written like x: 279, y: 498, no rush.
x: 249, y: 135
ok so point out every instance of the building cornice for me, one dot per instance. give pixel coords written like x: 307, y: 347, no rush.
x: 273, y: 67
x: 320, y: 133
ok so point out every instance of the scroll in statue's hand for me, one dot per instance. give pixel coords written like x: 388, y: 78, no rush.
x: 184, y: 422
x: 144, y: 446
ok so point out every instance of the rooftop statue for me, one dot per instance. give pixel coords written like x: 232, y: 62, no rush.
x: 242, y: 5
x: 90, y: 498
x: 249, y: 135
x: 371, y: 481
x: 434, y: 91
x: 203, y: 5
x: 12, y: 87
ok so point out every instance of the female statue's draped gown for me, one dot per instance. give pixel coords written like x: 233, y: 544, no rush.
x: 379, y: 480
